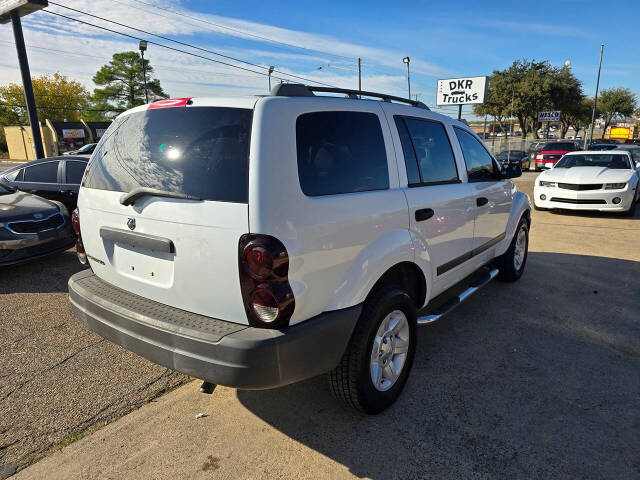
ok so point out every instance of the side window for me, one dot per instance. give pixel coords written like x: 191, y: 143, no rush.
x: 340, y: 152
x: 427, y: 144
x: 413, y: 175
x: 15, y: 176
x: 42, y: 173
x: 480, y: 166
x: 75, y: 170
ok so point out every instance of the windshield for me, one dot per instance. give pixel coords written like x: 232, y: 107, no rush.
x: 196, y: 151
x: 87, y: 147
x: 558, y: 146
x: 614, y: 161
x: 602, y: 147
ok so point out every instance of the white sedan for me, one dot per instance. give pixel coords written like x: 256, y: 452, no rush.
x: 591, y: 180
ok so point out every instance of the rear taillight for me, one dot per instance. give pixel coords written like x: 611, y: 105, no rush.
x: 264, y: 282
x: 75, y: 221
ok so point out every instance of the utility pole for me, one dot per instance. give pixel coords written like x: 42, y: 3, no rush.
x: 484, y: 129
x: 143, y: 47
x: 595, y: 103
x: 407, y: 60
x: 24, y: 8
x: 359, y: 74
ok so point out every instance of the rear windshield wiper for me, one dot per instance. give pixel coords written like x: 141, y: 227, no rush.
x: 137, y: 193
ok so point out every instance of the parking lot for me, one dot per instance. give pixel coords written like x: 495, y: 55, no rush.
x: 536, y: 379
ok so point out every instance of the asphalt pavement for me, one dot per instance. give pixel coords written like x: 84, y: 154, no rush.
x: 534, y: 379
x: 57, y: 378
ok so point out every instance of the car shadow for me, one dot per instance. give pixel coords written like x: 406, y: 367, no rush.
x: 533, y: 379
x: 47, y: 275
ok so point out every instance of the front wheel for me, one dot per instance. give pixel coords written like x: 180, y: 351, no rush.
x: 376, y: 364
x: 513, y: 261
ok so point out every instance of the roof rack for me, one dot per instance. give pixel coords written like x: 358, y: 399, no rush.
x: 300, y: 90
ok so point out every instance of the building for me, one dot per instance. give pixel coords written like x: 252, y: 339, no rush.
x: 57, y: 138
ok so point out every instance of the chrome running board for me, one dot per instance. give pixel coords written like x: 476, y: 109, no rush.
x: 454, y: 302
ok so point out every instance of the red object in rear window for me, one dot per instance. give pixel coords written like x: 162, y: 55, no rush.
x: 169, y: 103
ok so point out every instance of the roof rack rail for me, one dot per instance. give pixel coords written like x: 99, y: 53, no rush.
x: 301, y: 90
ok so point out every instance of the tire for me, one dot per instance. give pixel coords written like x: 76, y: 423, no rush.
x: 510, y: 268
x: 352, y: 381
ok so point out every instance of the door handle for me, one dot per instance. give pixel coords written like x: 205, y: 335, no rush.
x: 423, y: 214
x: 480, y: 201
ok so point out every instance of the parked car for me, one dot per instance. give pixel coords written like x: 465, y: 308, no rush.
x: 315, y: 259
x: 553, y: 151
x: 31, y: 227
x: 54, y: 178
x: 603, y: 146
x: 514, y: 156
x: 84, y: 150
x: 591, y: 180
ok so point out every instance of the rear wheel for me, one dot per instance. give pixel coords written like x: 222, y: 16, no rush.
x: 376, y: 364
x: 513, y: 261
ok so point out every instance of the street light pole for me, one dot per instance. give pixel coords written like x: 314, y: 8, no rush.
x: 407, y: 60
x: 143, y: 47
x: 26, y: 83
x: 595, y: 103
x: 271, y: 69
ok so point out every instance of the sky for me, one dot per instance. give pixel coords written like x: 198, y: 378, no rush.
x: 443, y: 40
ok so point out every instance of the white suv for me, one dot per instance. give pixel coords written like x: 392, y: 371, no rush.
x: 255, y: 242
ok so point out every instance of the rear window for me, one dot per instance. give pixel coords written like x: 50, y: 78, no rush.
x: 340, y: 152
x: 559, y: 146
x: 198, y: 151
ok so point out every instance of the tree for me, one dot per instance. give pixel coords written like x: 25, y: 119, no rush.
x: 579, y: 115
x: 123, y: 82
x: 566, y: 96
x: 614, y: 104
x: 57, y: 97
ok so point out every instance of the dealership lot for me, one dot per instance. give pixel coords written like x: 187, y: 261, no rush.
x: 533, y: 379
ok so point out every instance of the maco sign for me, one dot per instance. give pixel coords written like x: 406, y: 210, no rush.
x: 553, y: 116
x: 461, y: 91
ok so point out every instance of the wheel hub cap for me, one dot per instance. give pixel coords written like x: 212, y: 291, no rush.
x: 520, y: 250
x: 389, y: 350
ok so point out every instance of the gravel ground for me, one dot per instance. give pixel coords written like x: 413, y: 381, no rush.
x: 535, y: 379
x: 58, y: 378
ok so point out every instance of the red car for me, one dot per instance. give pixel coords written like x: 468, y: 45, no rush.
x: 553, y: 151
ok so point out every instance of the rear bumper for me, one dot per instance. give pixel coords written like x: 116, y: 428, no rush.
x: 220, y: 352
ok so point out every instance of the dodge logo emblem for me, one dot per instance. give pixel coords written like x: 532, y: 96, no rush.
x: 131, y: 223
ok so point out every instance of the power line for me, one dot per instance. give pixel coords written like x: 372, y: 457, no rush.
x: 68, y: 108
x: 270, y: 40
x: 176, y: 41
x: 164, y: 67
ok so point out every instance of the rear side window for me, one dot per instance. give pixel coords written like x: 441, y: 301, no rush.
x: 480, y: 166
x: 340, y: 152
x: 198, y: 151
x: 75, y: 170
x: 567, y: 146
x: 46, y: 172
x: 426, y: 143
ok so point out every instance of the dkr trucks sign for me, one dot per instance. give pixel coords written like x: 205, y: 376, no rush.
x: 461, y: 91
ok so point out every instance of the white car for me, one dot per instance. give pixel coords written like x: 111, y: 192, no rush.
x: 590, y: 180
x: 255, y: 242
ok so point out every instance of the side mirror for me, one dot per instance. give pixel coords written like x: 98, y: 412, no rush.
x: 511, y: 170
